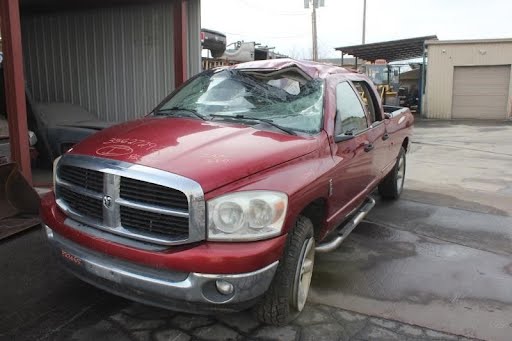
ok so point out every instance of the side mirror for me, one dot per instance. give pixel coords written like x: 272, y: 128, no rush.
x: 387, y: 116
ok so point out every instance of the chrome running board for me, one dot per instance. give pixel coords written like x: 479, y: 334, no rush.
x: 347, y: 228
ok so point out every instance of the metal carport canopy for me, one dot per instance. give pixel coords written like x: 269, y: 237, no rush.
x: 389, y: 50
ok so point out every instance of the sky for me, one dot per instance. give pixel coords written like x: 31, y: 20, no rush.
x: 286, y: 25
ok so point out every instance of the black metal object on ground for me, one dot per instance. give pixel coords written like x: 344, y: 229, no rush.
x: 19, y: 202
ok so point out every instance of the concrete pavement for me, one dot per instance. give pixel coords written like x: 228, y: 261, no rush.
x: 417, y: 279
x: 42, y: 302
x: 462, y: 164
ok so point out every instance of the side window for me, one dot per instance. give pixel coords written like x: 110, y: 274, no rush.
x: 350, y: 115
x: 368, y: 97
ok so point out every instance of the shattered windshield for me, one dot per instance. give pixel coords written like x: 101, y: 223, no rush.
x: 284, y: 98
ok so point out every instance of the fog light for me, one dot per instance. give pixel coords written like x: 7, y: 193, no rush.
x: 224, y: 287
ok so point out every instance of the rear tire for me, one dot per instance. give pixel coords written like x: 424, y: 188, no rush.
x: 287, y: 294
x: 392, y: 185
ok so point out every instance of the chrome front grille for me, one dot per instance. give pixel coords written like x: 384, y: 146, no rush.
x: 134, y: 201
x: 83, y: 177
x: 152, y: 194
x: 86, y: 206
x: 154, y: 222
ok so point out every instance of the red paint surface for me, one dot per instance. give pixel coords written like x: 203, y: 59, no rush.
x: 207, y: 257
x: 15, y: 85
x: 211, y: 153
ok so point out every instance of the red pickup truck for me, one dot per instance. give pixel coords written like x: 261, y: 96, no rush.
x: 218, y: 199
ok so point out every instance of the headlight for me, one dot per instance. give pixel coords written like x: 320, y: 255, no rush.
x: 251, y: 215
x: 55, y: 162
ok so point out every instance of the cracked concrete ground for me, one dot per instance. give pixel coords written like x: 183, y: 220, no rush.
x: 435, y: 265
x: 318, y: 322
x: 41, y: 302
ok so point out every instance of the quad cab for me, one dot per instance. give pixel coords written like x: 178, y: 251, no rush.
x: 219, y: 199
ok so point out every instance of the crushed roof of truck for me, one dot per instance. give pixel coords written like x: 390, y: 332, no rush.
x: 312, y: 69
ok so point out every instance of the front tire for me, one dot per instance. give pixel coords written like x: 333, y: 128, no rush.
x: 392, y: 185
x: 287, y: 295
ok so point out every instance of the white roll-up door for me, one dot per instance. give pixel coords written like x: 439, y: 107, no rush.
x: 480, y: 92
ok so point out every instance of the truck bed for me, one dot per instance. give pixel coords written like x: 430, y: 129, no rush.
x: 394, y: 110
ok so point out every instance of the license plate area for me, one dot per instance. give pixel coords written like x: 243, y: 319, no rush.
x: 91, y: 268
x: 71, y: 258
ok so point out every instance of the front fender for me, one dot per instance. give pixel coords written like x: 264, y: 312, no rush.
x: 304, y: 180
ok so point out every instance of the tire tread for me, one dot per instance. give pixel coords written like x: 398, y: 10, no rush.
x: 274, y: 308
x: 387, y: 187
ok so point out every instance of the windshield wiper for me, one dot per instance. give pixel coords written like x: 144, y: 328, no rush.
x: 264, y: 120
x: 190, y: 111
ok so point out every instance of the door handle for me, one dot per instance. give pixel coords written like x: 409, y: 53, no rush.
x: 385, y: 137
x: 368, y: 147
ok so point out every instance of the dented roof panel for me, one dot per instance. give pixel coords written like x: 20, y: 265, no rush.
x: 312, y: 69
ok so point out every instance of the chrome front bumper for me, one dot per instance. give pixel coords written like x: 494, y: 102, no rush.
x: 191, y: 292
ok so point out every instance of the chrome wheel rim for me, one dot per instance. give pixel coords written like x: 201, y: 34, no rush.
x: 400, y: 175
x: 304, y: 274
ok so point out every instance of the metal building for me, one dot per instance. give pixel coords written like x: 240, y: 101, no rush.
x: 469, y: 79
x: 115, y: 58
x: 115, y: 61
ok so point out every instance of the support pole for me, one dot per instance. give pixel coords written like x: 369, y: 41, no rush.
x: 313, y: 24
x: 364, y: 22
x: 180, y: 42
x: 423, y: 83
x: 15, y: 85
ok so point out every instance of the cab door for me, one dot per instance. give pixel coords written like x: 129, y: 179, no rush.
x: 352, y: 153
x: 377, y: 134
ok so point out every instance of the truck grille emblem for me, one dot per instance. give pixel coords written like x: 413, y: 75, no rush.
x: 107, y: 201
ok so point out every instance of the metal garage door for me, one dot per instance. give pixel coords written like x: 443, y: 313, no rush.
x: 480, y: 92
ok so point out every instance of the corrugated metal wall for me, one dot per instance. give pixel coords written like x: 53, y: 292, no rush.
x: 442, y: 59
x: 115, y: 62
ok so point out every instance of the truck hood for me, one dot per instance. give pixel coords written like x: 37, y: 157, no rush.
x: 211, y: 153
